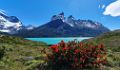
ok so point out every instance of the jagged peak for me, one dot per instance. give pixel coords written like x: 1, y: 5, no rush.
x: 71, y: 17
x: 73, y: 22
x: 59, y: 16
x: 54, y: 15
x: 62, y: 13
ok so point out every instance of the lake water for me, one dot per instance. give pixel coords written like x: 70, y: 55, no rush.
x: 57, y: 40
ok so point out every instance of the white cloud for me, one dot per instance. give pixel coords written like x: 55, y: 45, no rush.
x: 113, y: 9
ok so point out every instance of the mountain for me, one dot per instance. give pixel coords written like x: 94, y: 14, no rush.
x: 9, y: 24
x: 60, y: 26
x: 30, y: 27
x: 12, y: 25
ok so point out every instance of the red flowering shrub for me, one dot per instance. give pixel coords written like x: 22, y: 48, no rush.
x: 76, y: 55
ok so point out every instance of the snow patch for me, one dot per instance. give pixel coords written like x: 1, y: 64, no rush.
x: 7, y: 26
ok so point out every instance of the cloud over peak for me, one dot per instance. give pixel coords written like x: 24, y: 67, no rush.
x: 113, y: 9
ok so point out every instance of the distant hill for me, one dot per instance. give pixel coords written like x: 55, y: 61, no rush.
x: 110, y: 39
x: 16, y: 40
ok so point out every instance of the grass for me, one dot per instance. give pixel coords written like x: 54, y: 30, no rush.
x: 20, y: 54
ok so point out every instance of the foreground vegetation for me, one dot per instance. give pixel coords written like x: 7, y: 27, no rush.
x: 111, y: 41
x: 76, y: 55
x: 19, y: 54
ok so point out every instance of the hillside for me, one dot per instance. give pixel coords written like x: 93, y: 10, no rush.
x: 111, y: 40
x: 19, y: 54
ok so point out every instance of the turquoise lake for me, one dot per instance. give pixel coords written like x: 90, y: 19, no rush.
x: 57, y: 40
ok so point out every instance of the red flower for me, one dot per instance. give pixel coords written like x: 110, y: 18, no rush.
x: 98, y: 61
x: 94, y: 55
x: 98, y: 51
x: 65, y: 48
x: 76, y: 60
x: 54, y: 47
x: 56, y: 50
x: 82, y: 59
x: 99, y: 56
x: 100, y: 46
x: 76, y: 51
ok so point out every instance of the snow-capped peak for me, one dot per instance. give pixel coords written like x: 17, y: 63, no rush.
x: 30, y: 27
x: 9, y: 24
x: 73, y: 22
x: 70, y: 21
x: 59, y: 16
x: 71, y: 17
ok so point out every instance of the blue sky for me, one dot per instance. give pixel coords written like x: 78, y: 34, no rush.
x: 38, y: 12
